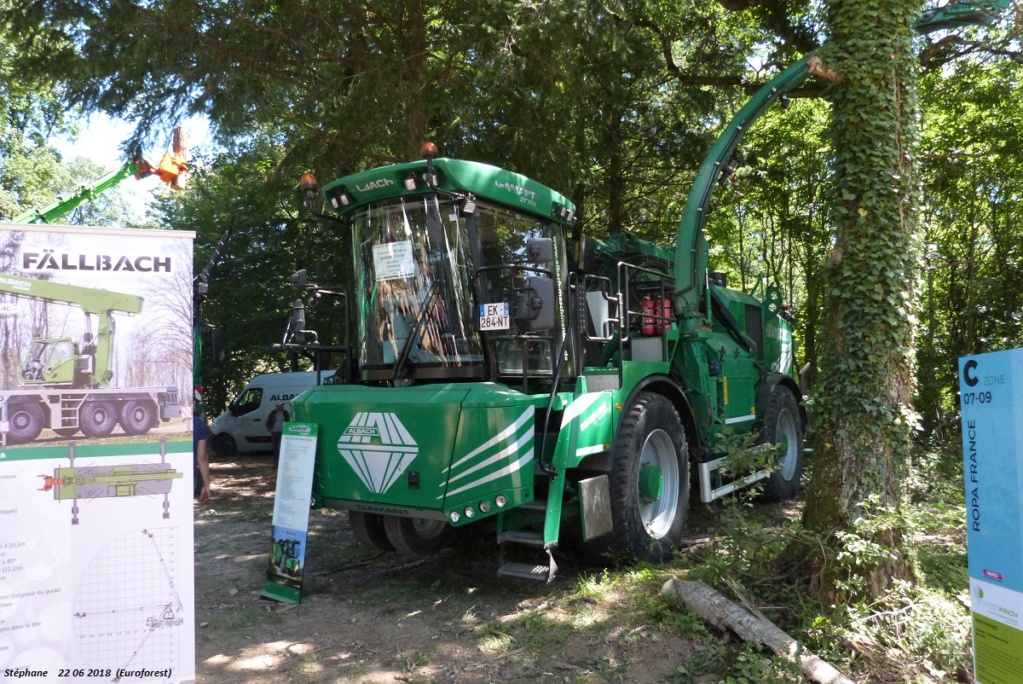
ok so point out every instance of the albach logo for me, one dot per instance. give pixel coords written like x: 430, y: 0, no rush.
x: 378, y: 448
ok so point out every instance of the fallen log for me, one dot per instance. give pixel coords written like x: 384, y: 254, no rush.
x: 722, y: 613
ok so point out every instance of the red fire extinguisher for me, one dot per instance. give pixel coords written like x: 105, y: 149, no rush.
x: 649, y: 323
x: 663, y: 307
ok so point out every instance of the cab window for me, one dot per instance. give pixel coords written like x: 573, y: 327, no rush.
x: 249, y: 400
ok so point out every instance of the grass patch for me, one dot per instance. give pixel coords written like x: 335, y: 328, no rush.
x: 913, y: 634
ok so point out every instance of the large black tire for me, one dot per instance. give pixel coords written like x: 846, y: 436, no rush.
x: 26, y: 422
x: 97, y: 419
x: 783, y: 425
x: 369, y: 530
x: 138, y: 417
x: 223, y: 445
x: 416, y: 536
x: 649, y: 482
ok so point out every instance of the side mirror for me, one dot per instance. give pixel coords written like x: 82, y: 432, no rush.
x: 534, y: 305
x: 587, y: 256
x: 217, y: 350
x: 540, y: 250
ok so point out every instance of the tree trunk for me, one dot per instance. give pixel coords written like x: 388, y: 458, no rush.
x: 863, y: 435
x: 415, y: 103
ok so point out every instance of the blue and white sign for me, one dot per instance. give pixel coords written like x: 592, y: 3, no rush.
x: 991, y: 394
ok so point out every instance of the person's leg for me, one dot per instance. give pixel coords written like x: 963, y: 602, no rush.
x: 275, y: 438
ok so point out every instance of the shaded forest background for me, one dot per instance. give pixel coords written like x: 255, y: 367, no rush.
x: 612, y: 103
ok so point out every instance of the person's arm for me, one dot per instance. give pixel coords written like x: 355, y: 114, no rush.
x: 204, y: 469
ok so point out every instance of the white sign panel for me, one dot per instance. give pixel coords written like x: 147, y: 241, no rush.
x: 393, y: 261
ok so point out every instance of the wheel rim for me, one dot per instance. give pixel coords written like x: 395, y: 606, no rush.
x: 658, y: 465
x: 428, y: 529
x: 788, y: 438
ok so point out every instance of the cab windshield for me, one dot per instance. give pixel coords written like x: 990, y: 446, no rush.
x: 419, y: 259
x: 416, y: 311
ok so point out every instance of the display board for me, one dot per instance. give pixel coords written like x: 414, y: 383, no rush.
x: 96, y: 512
x: 991, y: 395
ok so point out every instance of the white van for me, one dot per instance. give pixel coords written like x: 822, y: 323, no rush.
x: 242, y: 428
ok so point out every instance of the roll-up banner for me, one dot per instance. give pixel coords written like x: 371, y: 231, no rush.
x: 96, y: 513
x: 991, y: 394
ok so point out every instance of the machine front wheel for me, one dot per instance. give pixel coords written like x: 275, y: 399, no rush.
x: 782, y: 426
x: 649, y: 481
x: 98, y: 419
x: 416, y: 536
x: 368, y: 528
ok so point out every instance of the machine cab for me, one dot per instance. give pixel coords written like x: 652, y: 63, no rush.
x: 50, y: 361
x: 461, y: 272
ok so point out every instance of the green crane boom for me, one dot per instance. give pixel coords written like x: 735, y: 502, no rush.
x: 171, y: 170
x: 53, y: 362
x: 138, y: 167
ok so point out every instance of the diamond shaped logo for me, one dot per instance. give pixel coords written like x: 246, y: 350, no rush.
x: 378, y: 448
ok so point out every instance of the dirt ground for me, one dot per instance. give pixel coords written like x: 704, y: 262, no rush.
x: 381, y: 617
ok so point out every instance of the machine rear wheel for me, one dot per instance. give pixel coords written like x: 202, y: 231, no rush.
x: 26, y: 422
x: 137, y: 417
x: 369, y: 530
x: 416, y: 536
x: 98, y: 419
x: 649, y: 481
x: 783, y: 426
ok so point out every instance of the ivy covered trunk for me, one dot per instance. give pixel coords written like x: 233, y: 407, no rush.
x: 863, y: 422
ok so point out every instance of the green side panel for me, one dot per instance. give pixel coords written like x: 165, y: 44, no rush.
x: 634, y: 372
x: 494, y: 455
x: 430, y: 447
x: 692, y: 362
x: 737, y: 393
x: 587, y: 428
x: 496, y: 185
x: 382, y: 445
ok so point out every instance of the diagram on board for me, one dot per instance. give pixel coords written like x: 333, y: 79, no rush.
x: 128, y: 611
x: 106, y: 481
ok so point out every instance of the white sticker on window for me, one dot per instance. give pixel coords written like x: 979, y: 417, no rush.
x: 494, y: 316
x: 393, y: 260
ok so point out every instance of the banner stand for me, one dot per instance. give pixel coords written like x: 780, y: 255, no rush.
x: 991, y: 396
x: 285, y: 569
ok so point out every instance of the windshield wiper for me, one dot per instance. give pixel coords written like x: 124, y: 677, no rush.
x: 413, y: 336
